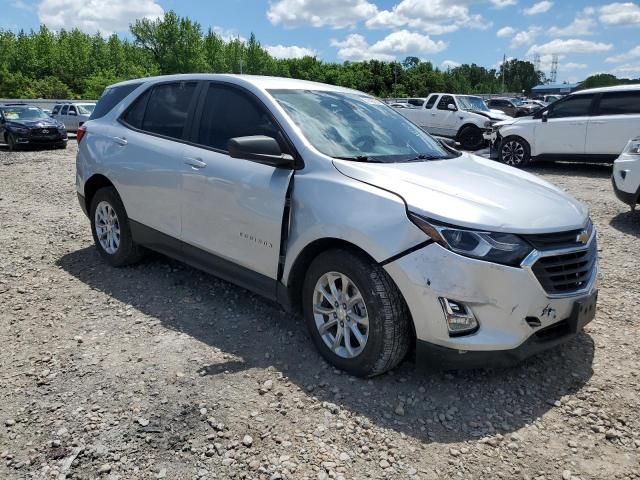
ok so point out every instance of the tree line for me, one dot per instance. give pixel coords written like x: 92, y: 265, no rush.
x: 74, y: 64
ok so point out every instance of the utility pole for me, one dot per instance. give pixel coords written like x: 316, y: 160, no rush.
x: 504, y: 69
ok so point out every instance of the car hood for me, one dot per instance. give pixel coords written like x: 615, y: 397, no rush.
x: 491, y: 115
x: 473, y: 192
x: 42, y: 123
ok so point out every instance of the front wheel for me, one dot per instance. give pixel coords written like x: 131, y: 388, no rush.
x: 356, y: 315
x: 111, y: 230
x: 515, y: 151
x: 470, y: 138
x: 11, y: 142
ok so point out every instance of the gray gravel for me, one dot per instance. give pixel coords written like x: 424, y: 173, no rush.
x: 160, y: 371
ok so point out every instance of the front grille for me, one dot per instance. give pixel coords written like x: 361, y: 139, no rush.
x: 553, y: 332
x: 44, y: 132
x: 566, y: 273
x: 558, y: 240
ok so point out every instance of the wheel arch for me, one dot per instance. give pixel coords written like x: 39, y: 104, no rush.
x: 92, y: 185
x: 465, y: 125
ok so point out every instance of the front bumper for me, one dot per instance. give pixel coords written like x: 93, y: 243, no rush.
x: 505, y: 301
x: 626, y: 179
x: 494, y: 139
x: 31, y: 140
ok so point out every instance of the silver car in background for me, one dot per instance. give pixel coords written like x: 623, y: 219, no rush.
x: 73, y: 114
x: 333, y: 204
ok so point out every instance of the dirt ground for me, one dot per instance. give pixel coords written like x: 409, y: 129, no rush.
x: 160, y: 371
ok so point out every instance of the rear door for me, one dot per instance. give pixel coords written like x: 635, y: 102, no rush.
x: 615, y: 121
x: 233, y: 208
x: 565, y: 130
x: 145, y: 155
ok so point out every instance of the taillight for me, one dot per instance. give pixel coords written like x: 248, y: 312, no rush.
x: 80, y: 133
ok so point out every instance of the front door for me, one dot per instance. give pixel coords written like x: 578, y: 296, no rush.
x: 233, y: 208
x: 445, y: 119
x: 565, y: 129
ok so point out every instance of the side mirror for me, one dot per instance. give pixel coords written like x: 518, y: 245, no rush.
x: 452, y: 107
x: 545, y: 116
x: 259, y: 149
x: 73, y: 114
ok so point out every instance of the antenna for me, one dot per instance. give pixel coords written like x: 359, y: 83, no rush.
x: 554, y: 68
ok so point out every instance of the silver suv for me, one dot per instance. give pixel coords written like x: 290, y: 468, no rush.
x: 73, y: 114
x: 330, y: 202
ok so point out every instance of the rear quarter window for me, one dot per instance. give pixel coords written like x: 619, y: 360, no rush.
x: 110, y: 98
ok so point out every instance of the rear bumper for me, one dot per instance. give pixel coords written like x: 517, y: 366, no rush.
x: 625, y: 197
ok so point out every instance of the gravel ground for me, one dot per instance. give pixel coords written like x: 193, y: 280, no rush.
x: 160, y: 371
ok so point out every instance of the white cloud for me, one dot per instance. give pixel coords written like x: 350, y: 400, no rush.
x: 228, y: 34
x: 526, y: 37
x: 355, y: 46
x: 625, y: 57
x: 571, y: 45
x: 627, y: 70
x: 290, y: 51
x: 450, y: 64
x: 505, y: 32
x: 503, y: 3
x: 95, y: 15
x: 331, y: 13
x: 537, y: 8
x: 583, y: 24
x: 573, y: 66
x: 433, y: 17
x: 627, y: 13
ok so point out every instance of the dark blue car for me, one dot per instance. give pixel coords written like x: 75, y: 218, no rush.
x: 23, y: 125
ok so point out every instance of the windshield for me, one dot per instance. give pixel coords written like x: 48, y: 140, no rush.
x: 357, y: 127
x: 467, y: 102
x: 86, y: 109
x: 516, y: 101
x: 23, y: 113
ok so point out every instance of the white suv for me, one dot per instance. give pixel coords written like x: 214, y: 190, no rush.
x: 593, y: 124
x: 328, y: 201
x: 73, y: 114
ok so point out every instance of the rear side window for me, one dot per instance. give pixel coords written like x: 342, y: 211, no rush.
x: 227, y: 113
x: 110, y: 98
x: 445, y: 101
x: 574, y: 106
x: 167, y: 109
x: 431, y: 101
x: 620, y: 103
x: 416, y: 102
x: 65, y: 109
x: 134, y: 116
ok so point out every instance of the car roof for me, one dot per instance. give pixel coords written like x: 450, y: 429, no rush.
x: 262, y: 82
x: 616, y: 88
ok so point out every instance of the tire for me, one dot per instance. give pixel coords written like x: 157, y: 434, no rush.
x: 11, y: 142
x: 470, y: 138
x: 126, y: 251
x: 388, y: 335
x: 515, y: 151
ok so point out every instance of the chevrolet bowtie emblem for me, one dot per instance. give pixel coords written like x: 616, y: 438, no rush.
x: 583, y: 237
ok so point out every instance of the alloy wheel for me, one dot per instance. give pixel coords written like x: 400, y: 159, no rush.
x: 340, y: 315
x: 107, y: 227
x: 513, y: 153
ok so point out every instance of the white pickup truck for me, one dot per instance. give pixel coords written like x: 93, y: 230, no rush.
x: 463, y: 118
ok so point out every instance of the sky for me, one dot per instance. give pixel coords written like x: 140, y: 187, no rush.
x: 589, y: 37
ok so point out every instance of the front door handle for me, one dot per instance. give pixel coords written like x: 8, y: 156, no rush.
x: 120, y: 140
x: 195, y: 162
x: 597, y: 122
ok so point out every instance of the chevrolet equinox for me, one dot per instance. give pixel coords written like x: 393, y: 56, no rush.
x: 333, y: 204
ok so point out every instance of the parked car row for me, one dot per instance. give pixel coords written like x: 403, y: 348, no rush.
x: 23, y: 125
x: 335, y: 205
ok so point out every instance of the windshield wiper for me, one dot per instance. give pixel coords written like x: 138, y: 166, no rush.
x: 424, y: 156
x: 359, y: 158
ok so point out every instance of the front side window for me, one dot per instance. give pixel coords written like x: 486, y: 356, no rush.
x: 445, y: 101
x: 167, y: 109
x: 356, y: 127
x: 72, y: 109
x: 575, y: 106
x: 65, y: 109
x: 228, y: 113
x: 431, y: 101
x: 620, y: 103
x: 56, y: 109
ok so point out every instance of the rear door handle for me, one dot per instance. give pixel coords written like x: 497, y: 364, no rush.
x: 120, y: 140
x: 195, y: 162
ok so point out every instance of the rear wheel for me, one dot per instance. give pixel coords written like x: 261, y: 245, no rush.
x: 470, y: 138
x: 111, y: 230
x: 356, y: 315
x: 515, y: 151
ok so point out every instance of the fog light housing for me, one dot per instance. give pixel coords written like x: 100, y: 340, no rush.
x: 459, y: 317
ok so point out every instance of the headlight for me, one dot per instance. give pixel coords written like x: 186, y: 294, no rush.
x: 21, y: 130
x: 488, y: 124
x: 504, y: 248
x: 633, y: 147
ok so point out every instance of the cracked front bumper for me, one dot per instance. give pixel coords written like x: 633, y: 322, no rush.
x: 504, y: 300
